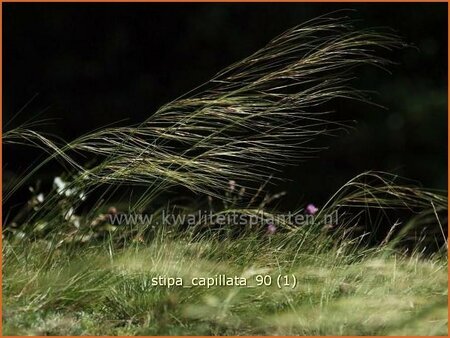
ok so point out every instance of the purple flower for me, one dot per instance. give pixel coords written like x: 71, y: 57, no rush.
x: 271, y: 229
x: 311, y: 209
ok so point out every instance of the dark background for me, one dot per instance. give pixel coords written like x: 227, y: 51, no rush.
x: 94, y: 64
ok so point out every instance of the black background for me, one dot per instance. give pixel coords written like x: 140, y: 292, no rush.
x: 95, y: 64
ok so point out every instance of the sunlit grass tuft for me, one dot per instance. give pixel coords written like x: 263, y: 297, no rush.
x: 377, y: 294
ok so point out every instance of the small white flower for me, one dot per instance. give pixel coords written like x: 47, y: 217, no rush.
x: 62, y: 189
x: 40, y: 198
x: 59, y: 184
x: 69, y: 192
x: 76, y: 222
x: 69, y: 214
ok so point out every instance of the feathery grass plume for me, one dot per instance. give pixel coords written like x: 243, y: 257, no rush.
x: 388, y: 208
x: 24, y: 135
x: 373, y: 207
x: 251, y: 118
x: 248, y: 121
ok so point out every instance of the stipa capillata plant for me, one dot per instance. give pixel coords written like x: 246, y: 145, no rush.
x: 69, y: 271
x: 247, y: 121
x: 245, y: 124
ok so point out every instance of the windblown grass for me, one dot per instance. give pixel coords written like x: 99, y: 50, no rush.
x: 246, y: 123
x: 68, y: 273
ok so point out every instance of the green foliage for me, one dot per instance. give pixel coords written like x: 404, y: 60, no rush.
x: 66, y: 272
x: 340, y: 290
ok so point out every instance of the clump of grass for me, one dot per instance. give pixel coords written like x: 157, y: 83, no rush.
x: 67, y: 273
x: 337, y: 291
x: 246, y: 122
